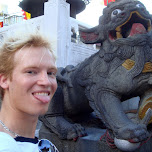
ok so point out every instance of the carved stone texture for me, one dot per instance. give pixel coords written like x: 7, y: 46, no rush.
x: 118, y: 71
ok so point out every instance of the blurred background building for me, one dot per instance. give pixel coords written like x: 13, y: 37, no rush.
x: 6, y: 18
x: 35, y: 8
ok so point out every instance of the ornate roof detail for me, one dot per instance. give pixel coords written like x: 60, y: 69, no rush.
x: 36, y: 8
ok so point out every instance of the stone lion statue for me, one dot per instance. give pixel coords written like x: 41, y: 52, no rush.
x: 120, y: 70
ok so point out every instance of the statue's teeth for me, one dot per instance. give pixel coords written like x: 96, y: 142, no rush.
x: 149, y: 28
x: 118, y: 32
x: 119, y: 35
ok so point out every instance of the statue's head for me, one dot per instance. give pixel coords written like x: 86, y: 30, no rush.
x: 121, y: 19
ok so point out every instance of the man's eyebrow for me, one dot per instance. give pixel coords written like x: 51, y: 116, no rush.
x: 37, y: 67
x: 31, y: 67
x: 53, y: 68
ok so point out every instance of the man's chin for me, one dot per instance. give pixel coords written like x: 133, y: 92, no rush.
x: 43, y: 112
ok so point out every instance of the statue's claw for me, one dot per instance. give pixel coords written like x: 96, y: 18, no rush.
x: 78, y: 131
x: 133, y: 132
x: 76, y: 138
x: 63, y: 128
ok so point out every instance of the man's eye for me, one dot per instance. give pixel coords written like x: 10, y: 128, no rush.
x: 52, y: 73
x: 31, y: 72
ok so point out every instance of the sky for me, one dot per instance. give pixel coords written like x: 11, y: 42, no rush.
x: 89, y: 16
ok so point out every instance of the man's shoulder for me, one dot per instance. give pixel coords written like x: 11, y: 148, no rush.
x: 4, y: 138
x: 7, y: 143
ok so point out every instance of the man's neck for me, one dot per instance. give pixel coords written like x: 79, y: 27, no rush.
x: 18, y: 122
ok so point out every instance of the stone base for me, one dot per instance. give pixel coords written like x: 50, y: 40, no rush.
x: 90, y: 143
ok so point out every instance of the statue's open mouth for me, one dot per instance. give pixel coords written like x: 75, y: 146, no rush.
x: 136, y: 24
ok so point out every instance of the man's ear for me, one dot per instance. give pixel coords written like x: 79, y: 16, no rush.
x: 3, y: 81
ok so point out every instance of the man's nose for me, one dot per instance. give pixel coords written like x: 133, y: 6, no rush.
x: 44, y: 79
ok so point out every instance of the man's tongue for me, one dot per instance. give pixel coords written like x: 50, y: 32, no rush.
x: 137, y: 28
x: 42, y: 98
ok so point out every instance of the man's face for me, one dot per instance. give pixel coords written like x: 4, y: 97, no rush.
x: 33, y: 82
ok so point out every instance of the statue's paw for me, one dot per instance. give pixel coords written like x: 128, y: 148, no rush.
x: 133, y: 132
x: 76, y: 132
x: 63, y: 128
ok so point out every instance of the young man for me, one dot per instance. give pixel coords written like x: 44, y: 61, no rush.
x: 28, y: 83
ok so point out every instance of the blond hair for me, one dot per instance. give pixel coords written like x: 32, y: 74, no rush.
x: 12, y: 44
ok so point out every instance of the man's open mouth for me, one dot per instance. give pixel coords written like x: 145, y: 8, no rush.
x: 43, y: 96
x: 136, y: 24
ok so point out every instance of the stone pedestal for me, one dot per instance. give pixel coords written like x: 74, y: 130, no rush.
x: 90, y: 143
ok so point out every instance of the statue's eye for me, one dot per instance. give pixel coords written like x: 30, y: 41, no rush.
x: 139, y: 5
x: 115, y: 12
